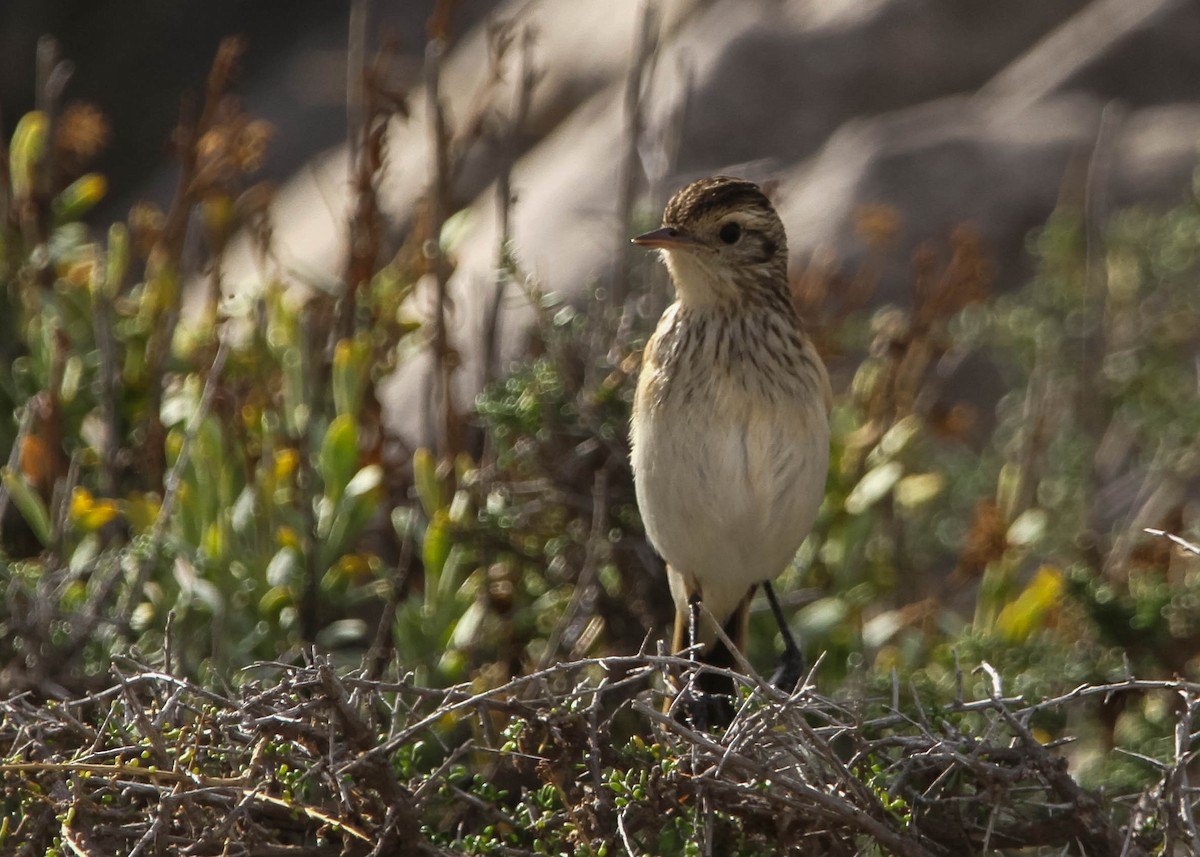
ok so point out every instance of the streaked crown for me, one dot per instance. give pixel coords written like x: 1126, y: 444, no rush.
x: 722, y: 238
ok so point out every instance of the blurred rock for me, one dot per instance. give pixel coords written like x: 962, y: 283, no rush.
x: 581, y: 49
x: 1138, y: 53
x: 950, y: 112
x: 990, y: 163
x: 774, y: 80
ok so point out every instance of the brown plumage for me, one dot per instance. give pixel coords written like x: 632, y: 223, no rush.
x: 730, y: 426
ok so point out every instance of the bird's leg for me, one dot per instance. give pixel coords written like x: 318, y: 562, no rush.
x: 791, y: 662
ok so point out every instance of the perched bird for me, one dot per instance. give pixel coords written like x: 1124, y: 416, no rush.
x: 730, y: 428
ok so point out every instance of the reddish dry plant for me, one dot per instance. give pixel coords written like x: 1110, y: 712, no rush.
x: 81, y: 134
x: 216, y: 150
x: 910, y: 344
x: 825, y: 298
x: 986, y: 541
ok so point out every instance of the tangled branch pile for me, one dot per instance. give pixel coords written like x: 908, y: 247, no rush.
x: 575, y: 758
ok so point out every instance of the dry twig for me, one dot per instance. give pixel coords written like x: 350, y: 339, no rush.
x: 327, y: 761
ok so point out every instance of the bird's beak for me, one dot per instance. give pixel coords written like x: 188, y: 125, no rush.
x: 667, y: 238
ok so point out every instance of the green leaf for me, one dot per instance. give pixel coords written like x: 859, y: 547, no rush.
x: 873, y: 487
x: 79, y: 197
x: 365, y: 481
x: 29, y: 503
x: 405, y: 522
x: 158, y: 296
x: 28, y: 149
x: 349, y: 375
x: 435, y: 549
x: 284, y: 568
x: 916, y: 489
x: 453, y: 576
x: 354, y: 511
x: 1029, y: 527
x: 118, y: 259
x: 295, y: 409
x: 274, y: 600
x: 1008, y: 488
x: 823, y: 615
x: 431, y: 488
x: 898, y: 437
x: 343, y: 632
x: 460, y: 508
x: 339, y: 456
x: 880, y: 629
x: 72, y: 376
x: 467, y: 627
x: 245, y: 514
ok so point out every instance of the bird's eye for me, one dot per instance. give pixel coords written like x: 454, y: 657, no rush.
x: 730, y: 232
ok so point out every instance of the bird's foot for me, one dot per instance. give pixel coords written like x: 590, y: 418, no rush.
x: 791, y: 670
x: 704, y: 711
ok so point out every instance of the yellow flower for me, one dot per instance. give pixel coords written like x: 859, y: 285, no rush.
x: 286, y: 461
x: 88, y: 512
x: 355, y: 567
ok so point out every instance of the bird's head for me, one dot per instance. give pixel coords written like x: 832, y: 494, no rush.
x: 722, y: 241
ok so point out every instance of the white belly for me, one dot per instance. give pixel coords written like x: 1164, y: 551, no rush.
x: 728, y: 489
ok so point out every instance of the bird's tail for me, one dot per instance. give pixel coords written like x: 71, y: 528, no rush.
x: 716, y: 693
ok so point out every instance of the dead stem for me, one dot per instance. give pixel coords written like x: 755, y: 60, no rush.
x: 804, y: 764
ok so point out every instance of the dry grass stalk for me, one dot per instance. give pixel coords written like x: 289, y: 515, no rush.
x: 317, y: 760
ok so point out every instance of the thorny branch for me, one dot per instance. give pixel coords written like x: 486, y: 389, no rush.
x: 815, y: 773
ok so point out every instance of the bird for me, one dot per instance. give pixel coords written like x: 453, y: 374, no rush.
x: 730, y: 425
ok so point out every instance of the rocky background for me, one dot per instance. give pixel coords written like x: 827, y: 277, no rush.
x: 943, y: 111
x: 239, y: 548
